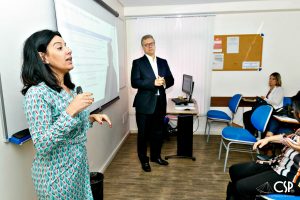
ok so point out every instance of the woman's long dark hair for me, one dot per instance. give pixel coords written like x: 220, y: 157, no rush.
x: 34, y: 71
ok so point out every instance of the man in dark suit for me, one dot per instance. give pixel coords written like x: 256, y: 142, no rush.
x: 151, y: 75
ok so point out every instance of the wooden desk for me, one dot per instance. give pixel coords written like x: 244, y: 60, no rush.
x: 184, y: 130
x: 172, y: 111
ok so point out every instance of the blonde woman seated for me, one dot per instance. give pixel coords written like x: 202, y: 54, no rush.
x: 274, y: 97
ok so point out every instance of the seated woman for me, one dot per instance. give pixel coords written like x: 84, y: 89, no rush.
x: 280, y: 175
x: 273, y: 97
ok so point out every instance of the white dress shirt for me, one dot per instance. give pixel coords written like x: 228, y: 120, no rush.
x: 153, y: 64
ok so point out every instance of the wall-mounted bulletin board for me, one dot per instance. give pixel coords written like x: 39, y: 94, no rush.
x: 237, y: 52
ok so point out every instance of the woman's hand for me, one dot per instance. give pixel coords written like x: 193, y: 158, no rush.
x: 260, y: 143
x: 298, y: 132
x: 79, y: 103
x: 293, y: 144
x: 100, y: 118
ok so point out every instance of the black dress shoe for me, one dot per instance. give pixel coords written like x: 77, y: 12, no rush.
x: 160, y: 161
x: 146, y: 167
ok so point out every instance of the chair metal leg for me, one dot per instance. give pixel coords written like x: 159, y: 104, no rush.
x: 208, y: 133
x: 226, y: 157
x: 252, y: 152
x: 220, y: 150
x: 252, y: 156
x: 205, y: 126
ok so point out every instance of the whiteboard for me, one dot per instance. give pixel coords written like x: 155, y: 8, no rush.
x: 17, y: 24
x: 122, y: 46
x: 91, y: 32
x: 3, y: 129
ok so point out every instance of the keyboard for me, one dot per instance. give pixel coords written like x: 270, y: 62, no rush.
x: 178, y: 101
x: 184, y: 108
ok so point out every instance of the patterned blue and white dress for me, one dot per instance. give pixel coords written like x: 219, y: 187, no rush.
x: 60, y: 168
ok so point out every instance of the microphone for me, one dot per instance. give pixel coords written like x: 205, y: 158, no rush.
x: 79, y: 90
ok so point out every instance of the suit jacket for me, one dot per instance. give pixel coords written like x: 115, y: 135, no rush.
x: 143, y: 77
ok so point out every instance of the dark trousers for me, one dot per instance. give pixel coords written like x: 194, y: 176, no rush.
x: 252, y: 179
x: 150, y: 129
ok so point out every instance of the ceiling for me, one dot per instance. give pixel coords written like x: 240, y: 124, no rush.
x: 129, y: 3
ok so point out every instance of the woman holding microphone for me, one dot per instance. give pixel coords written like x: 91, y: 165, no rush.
x: 57, y: 117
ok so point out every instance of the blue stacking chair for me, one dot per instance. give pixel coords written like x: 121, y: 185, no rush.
x: 221, y: 116
x: 235, y: 135
x: 280, y: 197
x: 287, y: 101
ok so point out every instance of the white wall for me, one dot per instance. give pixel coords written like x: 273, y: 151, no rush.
x: 214, y: 8
x: 15, y: 161
x: 278, y: 20
x: 280, y: 54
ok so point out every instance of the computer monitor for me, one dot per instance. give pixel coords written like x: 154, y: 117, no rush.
x: 188, y: 86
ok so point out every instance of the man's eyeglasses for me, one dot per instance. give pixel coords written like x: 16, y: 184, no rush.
x: 149, y: 44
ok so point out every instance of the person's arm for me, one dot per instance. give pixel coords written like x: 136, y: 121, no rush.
x: 137, y: 81
x: 292, y: 143
x: 263, y: 142
x: 169, y: 80
x: 46, y: 133
x: 276, y: 98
